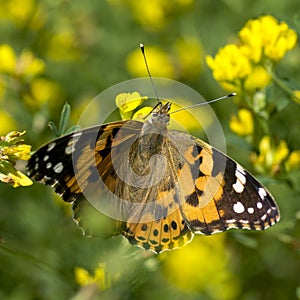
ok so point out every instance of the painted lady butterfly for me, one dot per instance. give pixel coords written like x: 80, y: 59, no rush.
x: 165, y: 185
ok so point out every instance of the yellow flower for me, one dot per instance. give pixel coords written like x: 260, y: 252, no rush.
x: 83, y: 277
x: 293, y: 161
x: 205, y: 258
x: 100, y: 277
x: 26, y: 14
x: 13, y: 177
x: 268, y: 37
x: 12, y: 148
x: 270, y: 156
x: 62, y: 46
x: 258, y: 79
x: 296, y: 96
x: 7, y: 122
x: 28, y: 65
x: 154, y: 15
x: 151, y: 14
x: 242, y: 124
x: 128, y: 101
x: 43, y: 90
x: 262, y: 43
x: 230, y: 66
x: 16, y: 152
x: 7, y: 59
x: 19, y: 10
x: 189, y: 56
x: 280, y: 153
x: 159, y: 63
x: 142, y: 113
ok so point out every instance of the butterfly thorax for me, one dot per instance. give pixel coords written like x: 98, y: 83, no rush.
x: 151, y: 140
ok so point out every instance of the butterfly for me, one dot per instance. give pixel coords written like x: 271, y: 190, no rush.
x: 157, y: 187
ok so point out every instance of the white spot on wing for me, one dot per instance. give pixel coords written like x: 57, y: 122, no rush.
x: 77, y: 134
x: 48, y: 165
x: 51, y: 146
x: 250, y: 210
x: 244, y: 221
x: 46, y: 157
x: 240, y: 174
x: 72, y: 142
x: 263, y: 218
x: 58, y: 167
x: 262, y: 193
x: 230, y: 221
x: 238, y: 208
x: 69, y: 149
x: 71, y: 146
x: 259, y: 205
x: 239, y: 185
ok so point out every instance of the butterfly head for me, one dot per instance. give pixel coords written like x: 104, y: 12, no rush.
x: 160, y: 115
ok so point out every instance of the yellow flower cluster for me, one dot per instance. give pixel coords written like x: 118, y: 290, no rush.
x: 244, y: 66
x: 296, y: 96
x: 63, y: 46
x: 154, y: 15
x: 272, y: 158
x: 26, y: 65
x: 183, y: 268
x: 128, y: 102
x: 100, y: 277
x: 242, y: 123
x: 159, y: 62
x: 185, y: 61
x: 12, y: 148
x: 23, y: 13
x: 24, y: 68
x: 268, y: 38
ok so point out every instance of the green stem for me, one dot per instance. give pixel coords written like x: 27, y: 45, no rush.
x: 281, y: 84
x: 260, y: 118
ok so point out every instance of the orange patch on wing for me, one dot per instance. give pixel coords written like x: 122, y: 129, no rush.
x: 167, y: 233
x: 201, y: 182
x: 192, y: 212
x: 213, y: 189
x: 186, y: 181
x: 188, y: 155
x: 206, y: 166
x: 210, y: 212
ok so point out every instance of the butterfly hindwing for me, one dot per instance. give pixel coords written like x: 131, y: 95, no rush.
x: 167, y: 233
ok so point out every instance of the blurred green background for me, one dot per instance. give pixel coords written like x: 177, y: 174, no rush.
x: 68, y: 51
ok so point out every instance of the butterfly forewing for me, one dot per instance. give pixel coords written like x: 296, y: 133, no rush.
x: 236, y: 198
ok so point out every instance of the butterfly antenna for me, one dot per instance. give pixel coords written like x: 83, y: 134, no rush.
x: 148, y: 71
x: 204, y: 103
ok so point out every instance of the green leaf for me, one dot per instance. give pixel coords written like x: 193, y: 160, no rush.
x: 63, y: 123
x: 53, y: 128
x: 64, y: 119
